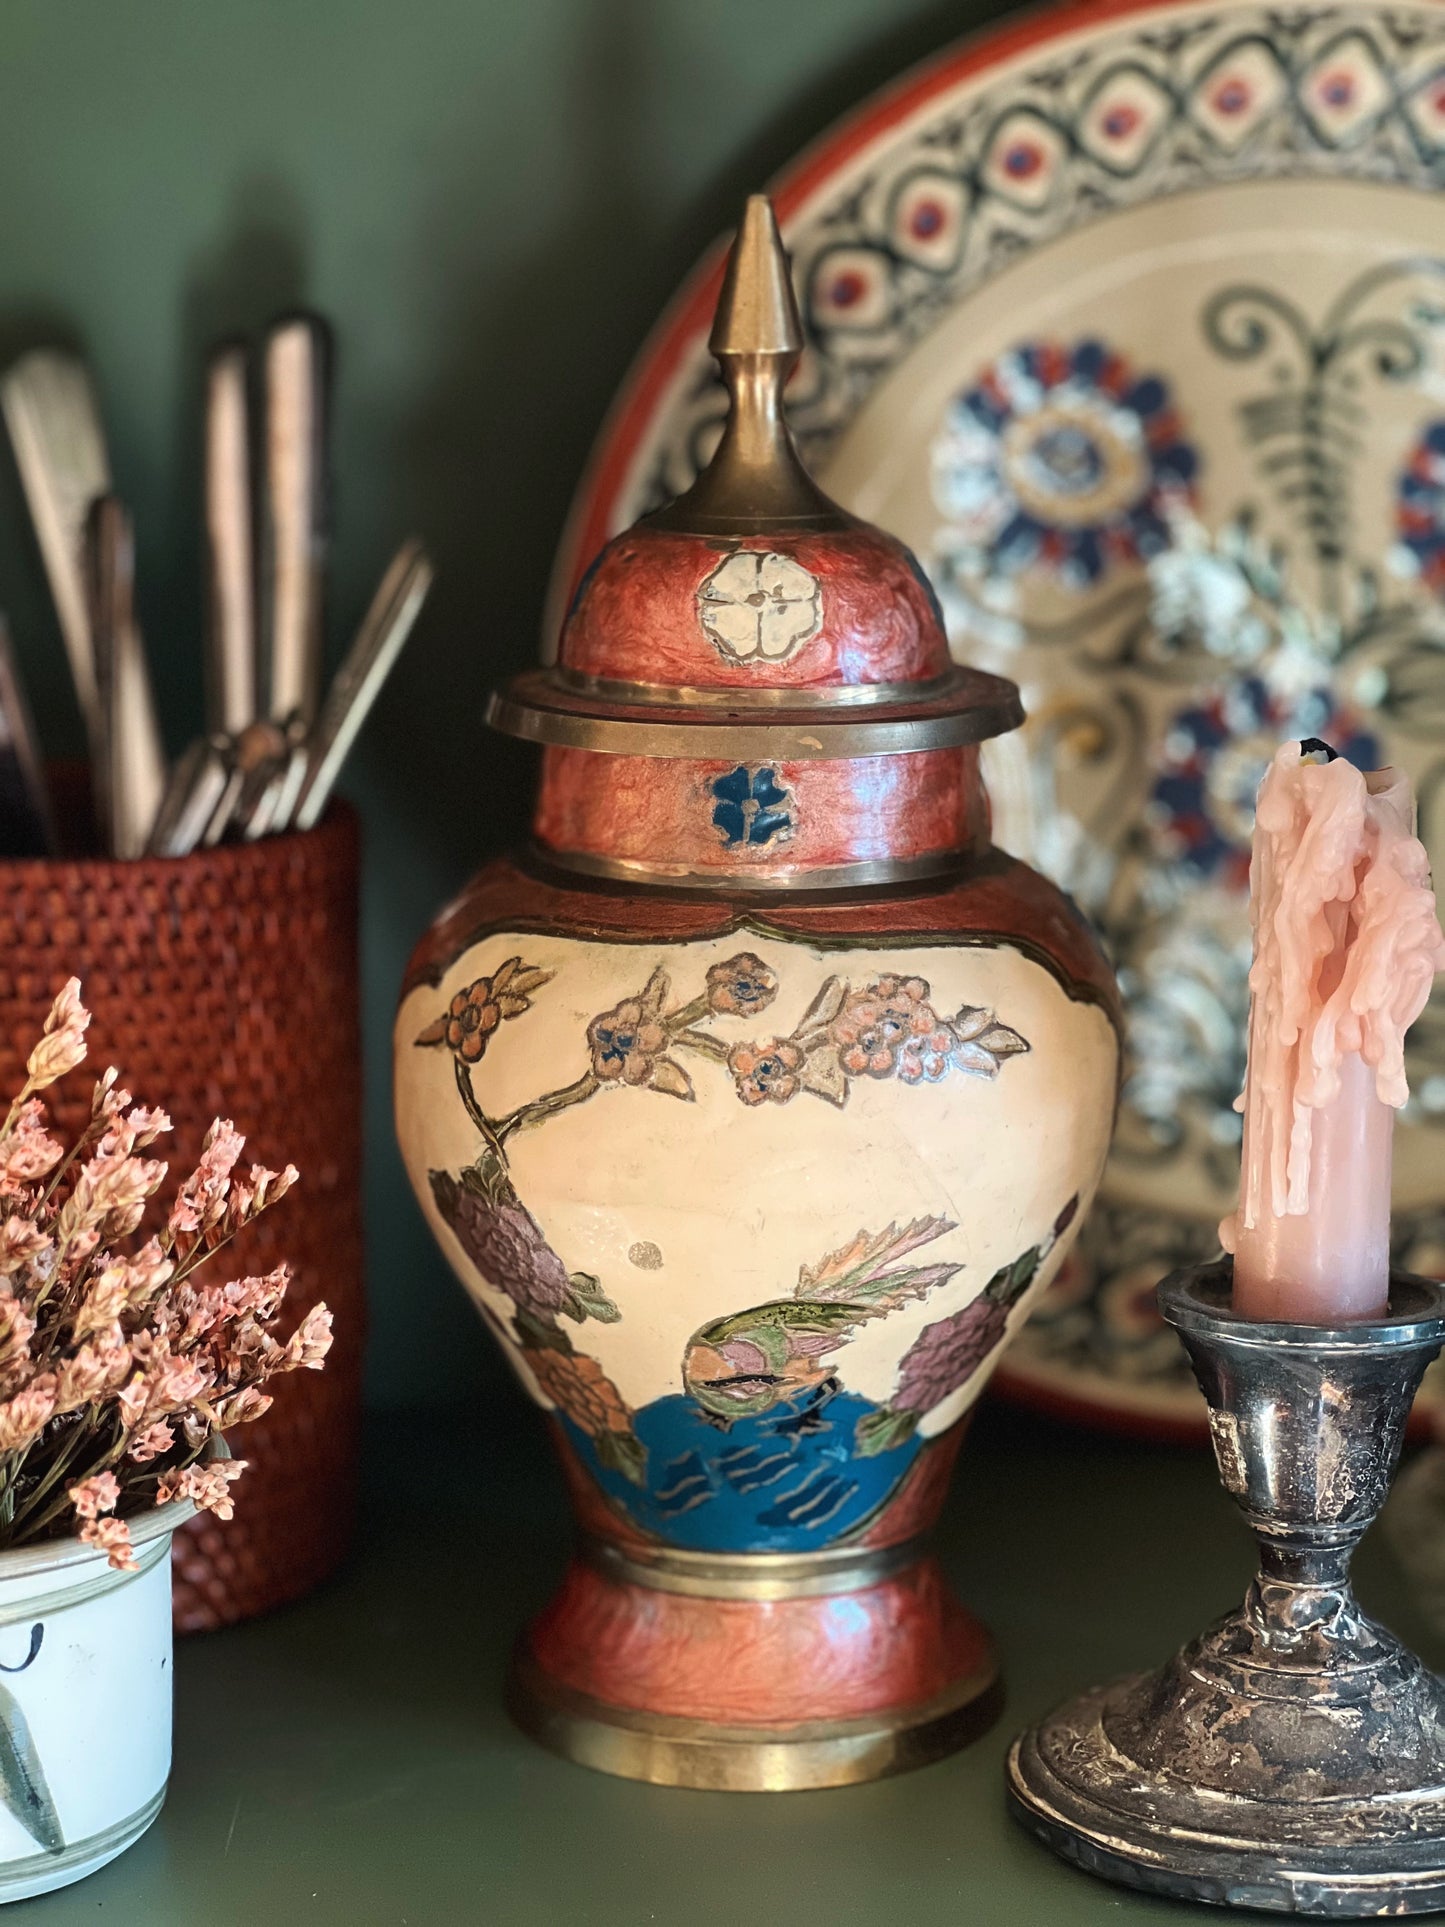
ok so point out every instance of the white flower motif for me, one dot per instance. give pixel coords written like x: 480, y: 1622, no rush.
x: 757, y: 605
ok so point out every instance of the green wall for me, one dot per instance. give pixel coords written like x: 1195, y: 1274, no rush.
x: 491, y: 199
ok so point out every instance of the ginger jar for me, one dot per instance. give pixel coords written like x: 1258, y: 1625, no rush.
x: 753, y: 1104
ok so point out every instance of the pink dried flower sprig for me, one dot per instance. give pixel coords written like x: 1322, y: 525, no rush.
x: 118, y: 1365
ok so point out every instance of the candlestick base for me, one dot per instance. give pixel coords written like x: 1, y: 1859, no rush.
x: 1292, y: 1758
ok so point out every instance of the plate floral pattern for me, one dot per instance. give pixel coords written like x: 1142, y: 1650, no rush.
x: 1180, y: 583
x: 1062, y: 459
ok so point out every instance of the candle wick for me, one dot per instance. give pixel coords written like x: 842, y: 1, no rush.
x: 1313, y: 746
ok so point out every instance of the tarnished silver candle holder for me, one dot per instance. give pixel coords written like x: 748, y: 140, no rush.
x: 1292, y: 1758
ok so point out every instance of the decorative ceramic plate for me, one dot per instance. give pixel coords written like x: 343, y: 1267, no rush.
x: 1130, y: 320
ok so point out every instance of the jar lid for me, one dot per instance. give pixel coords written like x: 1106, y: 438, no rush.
x: 752, y: 616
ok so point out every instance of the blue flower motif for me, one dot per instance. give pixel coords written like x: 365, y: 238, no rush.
x: 1420, y: 511
x: 1061, y: 459
x: 750, y: 805
x: 1214, y: 755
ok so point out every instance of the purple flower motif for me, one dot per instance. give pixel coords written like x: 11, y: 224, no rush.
x: 505, y: 1243
x: 946, y: 1354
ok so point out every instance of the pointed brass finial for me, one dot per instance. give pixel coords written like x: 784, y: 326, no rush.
x: 757, y: 312
x: 756, y: 480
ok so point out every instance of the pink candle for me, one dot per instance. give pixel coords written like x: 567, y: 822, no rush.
x: 1346, y: 946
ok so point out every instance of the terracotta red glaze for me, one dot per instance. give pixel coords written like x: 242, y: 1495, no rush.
x: 991, y: 898
x: 743, y: 1428
x: 589, y: 1503
x: 867, y: 809
x: 635, y: 615
x: 897, y: 1644
x: 915, y: 1506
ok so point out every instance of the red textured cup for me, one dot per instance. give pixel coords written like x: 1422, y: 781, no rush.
x: 226, y: 983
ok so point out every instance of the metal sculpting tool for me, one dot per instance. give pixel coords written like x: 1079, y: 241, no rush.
x: 132, y: 771
x: 357, y: 684
x: 294, y: 526
x: 27, y: 824
x: 51, y: 413
x: 231, y: 686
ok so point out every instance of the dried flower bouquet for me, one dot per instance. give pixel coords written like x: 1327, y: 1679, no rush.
x: 118, y: 1367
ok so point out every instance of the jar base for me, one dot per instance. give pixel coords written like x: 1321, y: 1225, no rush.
x: 739, y: 1759
x: 765, y: 1677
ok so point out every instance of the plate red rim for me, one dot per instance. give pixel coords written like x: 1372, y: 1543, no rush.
x: 686, y: 317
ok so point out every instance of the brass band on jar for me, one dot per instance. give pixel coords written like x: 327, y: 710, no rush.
x: 667, y: 1751
x: 752, y: 1575
x: 868, y: 695
x: 534, y: 708
x: 744, y: 881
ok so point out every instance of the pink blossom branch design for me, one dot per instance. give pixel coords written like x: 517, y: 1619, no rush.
x: 886, y: 1027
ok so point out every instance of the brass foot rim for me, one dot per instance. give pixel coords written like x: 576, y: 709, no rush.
x: 666, y: 1751
x: 754, y: 1575
x: 1121, y: 1836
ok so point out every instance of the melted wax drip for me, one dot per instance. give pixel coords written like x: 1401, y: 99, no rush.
x: 1346, y: 947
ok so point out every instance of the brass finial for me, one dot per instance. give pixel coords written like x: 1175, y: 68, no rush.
x: 756, y: 480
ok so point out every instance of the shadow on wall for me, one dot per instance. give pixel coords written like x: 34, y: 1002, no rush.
x: 255, y: 271
x: 524, y: 380
x: 521, y: 383
x: 27, y: 606
x: 520, y: 367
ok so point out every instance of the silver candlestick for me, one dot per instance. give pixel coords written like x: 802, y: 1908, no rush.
x: 1292, y: 1758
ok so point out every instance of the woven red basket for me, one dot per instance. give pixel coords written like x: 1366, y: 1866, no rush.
x: 225, y: 983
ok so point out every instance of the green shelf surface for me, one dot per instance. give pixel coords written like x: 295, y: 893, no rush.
x: 348, y: 1760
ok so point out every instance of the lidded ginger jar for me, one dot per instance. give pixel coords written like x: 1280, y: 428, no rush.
x: 753, y: 1104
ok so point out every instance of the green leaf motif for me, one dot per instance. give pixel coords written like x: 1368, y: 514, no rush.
x: 1009, y: 1283
x: 824, y: 1008
x: 882, y: 1430
x: 822, y: 1073
x: 535, y: 1334
x: 589, y: 1300
x: 623, y: 1452
x: 669, y: 1077
x: 1025, y: 1269
x: 487, y: 1179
